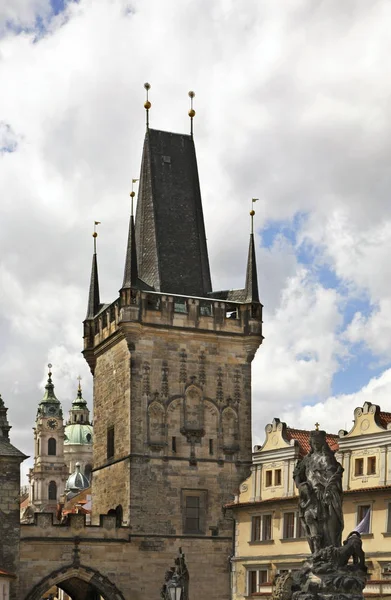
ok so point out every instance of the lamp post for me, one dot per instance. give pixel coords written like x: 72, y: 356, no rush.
x: 174, y: 588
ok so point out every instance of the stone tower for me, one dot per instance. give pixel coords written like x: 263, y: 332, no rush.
x: 10, y: 460
x: 171, y: 362
x: 49, y: 473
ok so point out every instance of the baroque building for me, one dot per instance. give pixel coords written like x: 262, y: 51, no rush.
x: 269, y: 539
x: 171, y: 361
x: 48, y: 475
x: 58, y: 449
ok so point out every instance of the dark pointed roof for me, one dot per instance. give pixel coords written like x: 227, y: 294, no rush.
x: 93, y: 296
x: 131, y: 271
x: 252, y: 294
x: 170, y: 233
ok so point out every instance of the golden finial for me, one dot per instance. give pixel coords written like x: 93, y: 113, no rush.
x: 132, y: 195
x: 316, y: 426
x: 50, y: 370
x: 95, y: 234
x: 252, y: 213
x: 191, y: 112
x: 79, y: 380
x: 147, y: 104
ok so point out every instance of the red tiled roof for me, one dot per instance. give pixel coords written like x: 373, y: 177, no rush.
x: 303, y: 437
x: 6, y: 574
x: 384, y: 418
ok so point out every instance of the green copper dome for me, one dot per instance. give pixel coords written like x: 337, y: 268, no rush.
x: 78, y: 433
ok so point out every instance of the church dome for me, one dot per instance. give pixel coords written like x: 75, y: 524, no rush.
x: 77, y: 481
x: 78, y: 433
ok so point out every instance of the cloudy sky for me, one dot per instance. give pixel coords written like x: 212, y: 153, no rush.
x: 293, y: 107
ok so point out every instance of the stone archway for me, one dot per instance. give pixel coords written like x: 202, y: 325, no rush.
x: 77, y: 580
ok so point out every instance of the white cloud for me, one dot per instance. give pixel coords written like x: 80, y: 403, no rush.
x: 292, y: 107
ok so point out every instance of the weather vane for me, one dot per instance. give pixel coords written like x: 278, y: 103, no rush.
x: 95, y: 234
x: 132, y: 195
x: 191, y: 112
x: 147, y: 104
x: 252, y: 213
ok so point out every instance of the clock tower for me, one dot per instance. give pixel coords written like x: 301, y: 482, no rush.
x: 49, y: 474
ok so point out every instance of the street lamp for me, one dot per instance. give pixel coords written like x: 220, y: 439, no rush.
x: 174, y: 588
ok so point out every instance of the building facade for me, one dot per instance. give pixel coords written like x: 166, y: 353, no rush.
x: 269, y: 539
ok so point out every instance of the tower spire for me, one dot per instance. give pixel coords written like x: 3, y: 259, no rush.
x: 252, y: 294
x: 131, y: 271
x: 93, y: 296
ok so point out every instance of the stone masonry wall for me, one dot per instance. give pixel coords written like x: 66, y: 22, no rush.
x: 10, y: 517
x: 134, y: 566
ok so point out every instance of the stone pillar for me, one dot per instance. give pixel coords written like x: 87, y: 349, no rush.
x: 286, y: 477
x: 388, y: 464
x: 346, y: 465
x: 253, y: 482
x: 258, y: 489
x: 383, y: 466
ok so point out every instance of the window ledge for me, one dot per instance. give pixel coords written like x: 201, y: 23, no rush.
x: 368, y: 536
x: 286, y: 540
x: 261, y: 542
x: 386, y: 534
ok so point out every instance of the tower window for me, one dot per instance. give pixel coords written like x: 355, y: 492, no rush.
x: 173, y: 444
x: 52, y: 447
x: 88, y: 437
x: 194, y: 511
x: 210, y: 446
x: 52, y: 490
x: 110, y: 442
x: 81, y: 418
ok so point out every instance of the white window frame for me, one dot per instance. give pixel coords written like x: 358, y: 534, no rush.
x: 261, y: 539
x: 258, y: 569
x: 296, y: 525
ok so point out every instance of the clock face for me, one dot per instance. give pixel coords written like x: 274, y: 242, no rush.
x: 52, y: 423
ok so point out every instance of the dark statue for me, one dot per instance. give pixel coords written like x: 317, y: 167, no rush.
x: 318, y: 478
x: 178, y: 575
x: 333, y: 571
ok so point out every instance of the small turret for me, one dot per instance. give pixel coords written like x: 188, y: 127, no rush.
x: 4, y: 425
x: 93, y: 296
x: 252, y: 294
x: 49, y: 405
x: 131, y: 270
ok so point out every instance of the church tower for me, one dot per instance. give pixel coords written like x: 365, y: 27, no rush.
x: 49, y: 473
x: 78, y: 436
x: 171, y: 361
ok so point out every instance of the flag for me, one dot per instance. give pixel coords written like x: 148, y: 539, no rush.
x: 363, y: 526
x: 96, y: 222
x: 255, y: 200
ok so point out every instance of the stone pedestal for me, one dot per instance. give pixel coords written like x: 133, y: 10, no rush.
x: 326, y: 575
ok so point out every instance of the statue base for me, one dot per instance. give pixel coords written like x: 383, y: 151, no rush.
x: 327, y: 576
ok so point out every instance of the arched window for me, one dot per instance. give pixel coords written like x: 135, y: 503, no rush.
x: 52, y: 490
x: 52, y: 447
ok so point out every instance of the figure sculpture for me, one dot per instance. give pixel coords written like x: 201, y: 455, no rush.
x: 178, y: 574
x: 318, y: 477
x: 327, y: 572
